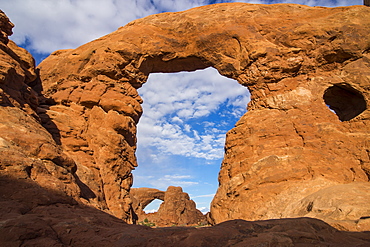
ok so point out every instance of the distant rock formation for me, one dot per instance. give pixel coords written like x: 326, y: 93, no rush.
x: 142, y: 197
x: 176, y: 209
x: 68, y: 130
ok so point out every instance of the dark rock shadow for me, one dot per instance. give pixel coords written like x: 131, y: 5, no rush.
x: 86, y: 192
x: 44, y: 106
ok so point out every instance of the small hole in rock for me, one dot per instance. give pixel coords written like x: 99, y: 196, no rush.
x: 345, y: 101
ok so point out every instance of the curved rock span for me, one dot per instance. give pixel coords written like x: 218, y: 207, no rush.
x: 287, y: 155
x: 176, y: 209
x: 142, y: 197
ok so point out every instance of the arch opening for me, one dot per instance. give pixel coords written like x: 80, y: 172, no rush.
x: 345, y: 101
x: 181, y: 134
x: 153, y: 206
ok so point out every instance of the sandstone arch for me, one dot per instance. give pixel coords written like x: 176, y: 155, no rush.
x: 285, y: 148
x: 176, y: 209
x: 142, y: 197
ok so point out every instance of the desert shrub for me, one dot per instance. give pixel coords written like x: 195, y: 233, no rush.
x: 146, y: 222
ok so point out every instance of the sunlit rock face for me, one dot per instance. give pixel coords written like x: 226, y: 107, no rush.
x: 298, y: 62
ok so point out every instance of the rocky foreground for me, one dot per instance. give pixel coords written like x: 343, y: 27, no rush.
x: 68, y: 129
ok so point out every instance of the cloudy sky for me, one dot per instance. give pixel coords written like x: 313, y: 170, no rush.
x: 186, y: 115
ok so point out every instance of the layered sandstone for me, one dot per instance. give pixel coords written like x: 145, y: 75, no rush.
x: 72, y: 130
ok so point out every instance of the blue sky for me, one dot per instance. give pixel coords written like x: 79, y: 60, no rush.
x: 181, y: 134
x: 186, y: 115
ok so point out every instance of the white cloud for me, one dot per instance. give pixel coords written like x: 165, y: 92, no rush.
x: 151, y: 210
x: 177, y: 119
x: 171, y: 177
x: 201, y: 196
x: 173, y: 101
x: 162, y: 182
x: 153, y: 206
x: 204, y: 210
x: 52, y: 25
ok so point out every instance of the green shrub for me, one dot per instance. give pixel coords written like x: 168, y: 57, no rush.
x: 146, y: 222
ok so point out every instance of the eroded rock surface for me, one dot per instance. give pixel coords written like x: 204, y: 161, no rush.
x: 27, y: 150
x: 73, y: 129
x: 344, y: 206
x: 294, y: 59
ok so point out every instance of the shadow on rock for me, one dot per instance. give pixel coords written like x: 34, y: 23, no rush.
x: 35, y: 216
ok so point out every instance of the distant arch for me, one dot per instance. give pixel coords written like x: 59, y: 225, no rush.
x: 142, y: 197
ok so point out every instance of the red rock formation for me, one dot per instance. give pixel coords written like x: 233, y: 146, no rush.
x: 74, y: 132
x: 176, y: 209
x: 27, y: 150
x: 142, y: 197
x: 95, y: 123
x: 294, y: 59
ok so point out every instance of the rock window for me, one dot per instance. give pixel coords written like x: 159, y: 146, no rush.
x: 153, y: 206
x: 345, y: 101
x: 181, y: 133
